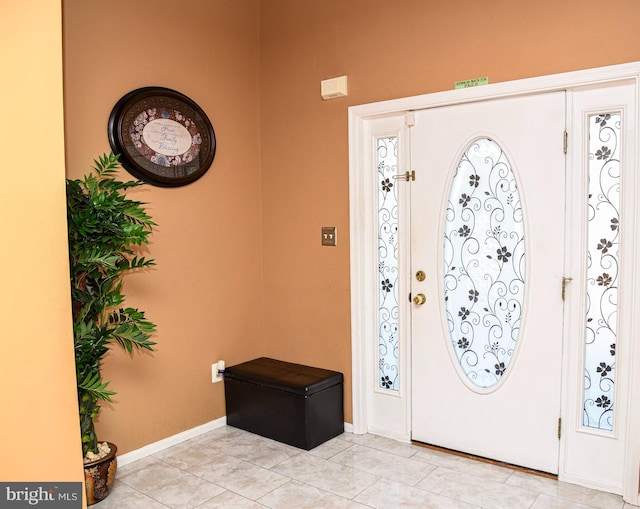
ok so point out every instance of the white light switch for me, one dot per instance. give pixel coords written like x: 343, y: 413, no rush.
x: 334, y: 88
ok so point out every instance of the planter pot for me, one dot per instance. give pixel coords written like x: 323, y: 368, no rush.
x: 99, y: 476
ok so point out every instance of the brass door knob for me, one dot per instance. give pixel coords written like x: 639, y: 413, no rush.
x: 419, y: 299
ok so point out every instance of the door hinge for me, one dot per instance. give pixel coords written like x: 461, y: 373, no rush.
x: 409, y: 119
x: 565, y: 280
x: 559, y: 427
x: 406, y: 176
x: 565, y: 142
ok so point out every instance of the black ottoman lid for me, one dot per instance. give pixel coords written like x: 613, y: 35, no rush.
x: 284, y: 376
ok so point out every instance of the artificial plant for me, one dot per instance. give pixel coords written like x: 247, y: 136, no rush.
x: 104, y: 229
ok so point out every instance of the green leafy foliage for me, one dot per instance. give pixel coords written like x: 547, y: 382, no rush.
x: 104, y: 229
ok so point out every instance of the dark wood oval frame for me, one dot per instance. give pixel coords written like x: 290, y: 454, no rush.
x: 122, y: 118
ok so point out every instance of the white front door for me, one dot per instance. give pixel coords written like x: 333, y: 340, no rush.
x: 487, y: 231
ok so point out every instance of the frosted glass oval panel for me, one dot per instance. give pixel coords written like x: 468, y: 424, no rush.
x: 484, y: 263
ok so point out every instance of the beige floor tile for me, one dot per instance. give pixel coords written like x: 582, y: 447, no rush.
x: 241, y: 477
x: 592, y: 498
x: 255, y: 449
x: 476, y: 490
x: 382, y: 444
x: 384, y: 464
x: 170, y: 485
x: 330, y: 448
x: 297, y: 495
x: 549, y: 502
x: 339, y: 479
x: 230, y: 500
x: 461, y: 464
x: 386, y: 494
x: 187, y: 454
x: 125, y: 497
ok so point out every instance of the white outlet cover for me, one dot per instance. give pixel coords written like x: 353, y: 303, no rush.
x: 215, y: 377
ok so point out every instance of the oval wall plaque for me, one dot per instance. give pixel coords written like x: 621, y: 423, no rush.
x: 484, y: 263
x: 167, y: 137
x: 163, y: 137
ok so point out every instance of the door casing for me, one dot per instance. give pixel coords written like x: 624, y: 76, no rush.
x: 363, y: 237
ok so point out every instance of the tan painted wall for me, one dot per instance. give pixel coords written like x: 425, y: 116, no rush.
x: 240, y: 268
x: 206, y: 293
x: 387, y: 50
x: 37, y: 377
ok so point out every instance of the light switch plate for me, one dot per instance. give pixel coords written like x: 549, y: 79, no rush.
x: 329, y: 235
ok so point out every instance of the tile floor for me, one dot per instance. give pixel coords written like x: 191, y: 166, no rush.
x: 232, y: 469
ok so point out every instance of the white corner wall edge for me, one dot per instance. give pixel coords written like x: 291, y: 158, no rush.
x: 178, y: 438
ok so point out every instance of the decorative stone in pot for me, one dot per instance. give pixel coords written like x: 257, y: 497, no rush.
x: 99, y: 475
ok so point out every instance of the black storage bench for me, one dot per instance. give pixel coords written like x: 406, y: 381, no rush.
x: 291, y: 403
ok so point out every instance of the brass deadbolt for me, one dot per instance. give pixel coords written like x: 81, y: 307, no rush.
x: 420, y: 275
x: 419, y: 299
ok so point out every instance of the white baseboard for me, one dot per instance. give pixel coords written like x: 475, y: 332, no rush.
x: 178, y: 438
x: 165, y: 443
x: 594, y: 484
x: 387, y: 433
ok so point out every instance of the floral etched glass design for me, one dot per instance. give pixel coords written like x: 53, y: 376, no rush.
x: 484, y: 263
x: 387, y: 163
x: 603, y: 236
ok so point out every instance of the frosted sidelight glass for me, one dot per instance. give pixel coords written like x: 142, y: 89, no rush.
x: 387, y: 163
x: 603, y: 236
x: 484, y: 263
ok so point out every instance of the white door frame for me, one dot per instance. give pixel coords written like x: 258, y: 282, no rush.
x: 363, y: 236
